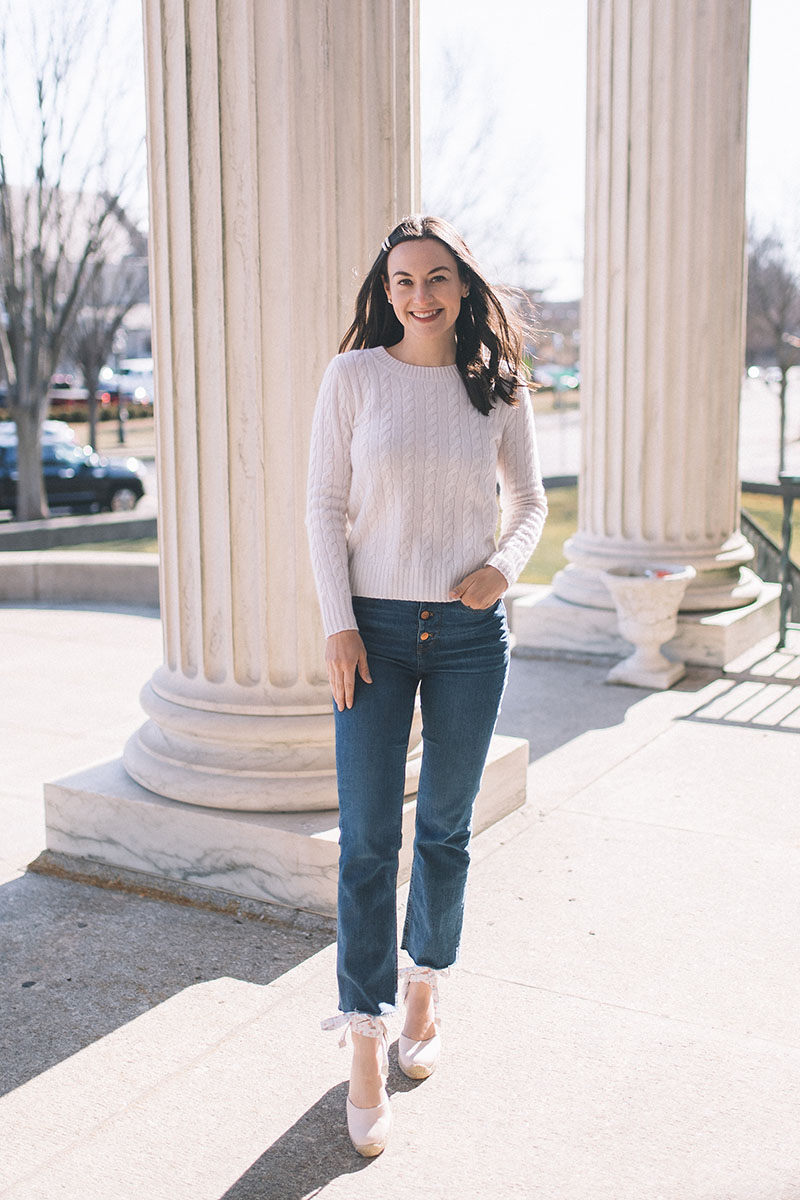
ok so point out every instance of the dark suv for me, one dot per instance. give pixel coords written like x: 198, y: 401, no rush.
x: 75, y: 477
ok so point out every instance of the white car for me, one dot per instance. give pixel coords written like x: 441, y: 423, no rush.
x: 52, y: 431
x: 134, y: 380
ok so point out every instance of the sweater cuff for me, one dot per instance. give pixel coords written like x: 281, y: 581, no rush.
x: 502, y: 563
x: 336, y: 618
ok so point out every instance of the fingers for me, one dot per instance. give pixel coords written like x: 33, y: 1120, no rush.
x: 470, y: 592
x: 482, y: 589
x: 342, y: 687
x: 342, y: 681
x: 349, y: 687
x: 344, y: 654
x: 471, y: 600
x: 457, y: 592
x: 363, y: 667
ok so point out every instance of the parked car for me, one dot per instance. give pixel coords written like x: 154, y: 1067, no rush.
x: 52, y: 431
x: 134, y: 381
x: 76, y: 478
x: 557, y: 376
x: 66, y: 392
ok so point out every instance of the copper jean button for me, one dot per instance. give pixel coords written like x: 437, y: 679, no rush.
x: 425, y: 615
x: 423, y: 637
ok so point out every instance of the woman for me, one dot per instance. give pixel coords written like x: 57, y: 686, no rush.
x: 419, y: 415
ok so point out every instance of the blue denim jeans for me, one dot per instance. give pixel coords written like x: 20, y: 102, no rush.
x: 458, y: 657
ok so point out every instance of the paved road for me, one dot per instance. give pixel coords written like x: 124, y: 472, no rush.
x: 559, y: 434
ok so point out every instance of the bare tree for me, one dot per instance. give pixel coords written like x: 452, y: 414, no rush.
x: 111, y: 291
x: 467, y: 175
x: 56, y: 222
x: 773, y: 313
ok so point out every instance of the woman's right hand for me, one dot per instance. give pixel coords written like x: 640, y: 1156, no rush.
x: 344, y: 653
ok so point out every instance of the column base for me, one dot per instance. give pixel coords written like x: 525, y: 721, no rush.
x: 712, y: 590
x: 245, y: 761
x: 543, y: 622
x: 102, y: 816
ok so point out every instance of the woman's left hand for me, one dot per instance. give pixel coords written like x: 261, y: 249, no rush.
x: 481, y: 589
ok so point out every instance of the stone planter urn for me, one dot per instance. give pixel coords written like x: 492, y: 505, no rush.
x: 647, y: 600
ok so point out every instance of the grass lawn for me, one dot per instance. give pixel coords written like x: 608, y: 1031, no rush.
x: 562, y: 521
x: 767, y: 511
x: 137, y: 545
x: 546, y: 400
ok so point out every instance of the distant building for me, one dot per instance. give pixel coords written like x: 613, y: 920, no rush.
x: 558, y: 338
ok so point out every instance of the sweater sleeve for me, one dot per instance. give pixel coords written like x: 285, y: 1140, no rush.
x: 328, y: 492
x: 522, y: 499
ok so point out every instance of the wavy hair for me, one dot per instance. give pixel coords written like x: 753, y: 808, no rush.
x: 490, y: 335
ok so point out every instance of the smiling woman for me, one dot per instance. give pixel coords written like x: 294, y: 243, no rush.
x: 425, y: 290
x: 480, y: 332
x: 422, y: 413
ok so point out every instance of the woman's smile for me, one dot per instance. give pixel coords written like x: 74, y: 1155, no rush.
x: 425, y: 290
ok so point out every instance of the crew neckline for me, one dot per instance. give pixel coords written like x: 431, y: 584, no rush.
x: 450, y: 371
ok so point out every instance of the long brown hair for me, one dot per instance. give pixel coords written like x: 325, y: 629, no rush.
x: 490, y: 334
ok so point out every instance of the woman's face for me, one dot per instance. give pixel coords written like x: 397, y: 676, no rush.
x: 425, y: 289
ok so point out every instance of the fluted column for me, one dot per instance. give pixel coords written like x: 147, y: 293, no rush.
x: 282, y: 147
x: 662, y: 321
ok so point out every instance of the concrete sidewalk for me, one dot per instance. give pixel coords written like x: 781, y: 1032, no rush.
x: 623, y: 1024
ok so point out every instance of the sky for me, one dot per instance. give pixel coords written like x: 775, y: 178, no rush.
x: 528, y: 63
x: 104, y: 101
x: 520, y: 67
x: 773, y: 141
x: 530, y: 60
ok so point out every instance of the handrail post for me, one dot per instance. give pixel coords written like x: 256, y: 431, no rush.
x: 790, y: 489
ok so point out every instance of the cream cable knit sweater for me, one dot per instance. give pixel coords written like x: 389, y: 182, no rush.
x: 402, y: 500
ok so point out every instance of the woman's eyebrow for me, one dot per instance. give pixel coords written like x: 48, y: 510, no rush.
x: 432, y: 271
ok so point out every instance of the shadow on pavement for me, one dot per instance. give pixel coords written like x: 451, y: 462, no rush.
x: 550, y: 706
x: 314, y: 1151
x: 80, y: 961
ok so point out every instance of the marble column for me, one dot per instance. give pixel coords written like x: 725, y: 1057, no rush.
x: 282, y: 147
x: 662, y: 323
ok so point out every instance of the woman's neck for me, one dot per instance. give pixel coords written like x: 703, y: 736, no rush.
x: 427, y: 354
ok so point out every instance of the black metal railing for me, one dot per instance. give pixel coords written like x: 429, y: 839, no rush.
x: 767, y: 562
x: 790, y: 594
x: 773, y: 561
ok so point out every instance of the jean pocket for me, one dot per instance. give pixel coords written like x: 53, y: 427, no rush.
x: 497, y: 608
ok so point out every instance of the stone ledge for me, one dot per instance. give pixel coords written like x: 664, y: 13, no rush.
x: 100, y: 816
x: 543, y: 623
x: 79, y: 576
x: 154, y: 887
x: 69, y: 531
